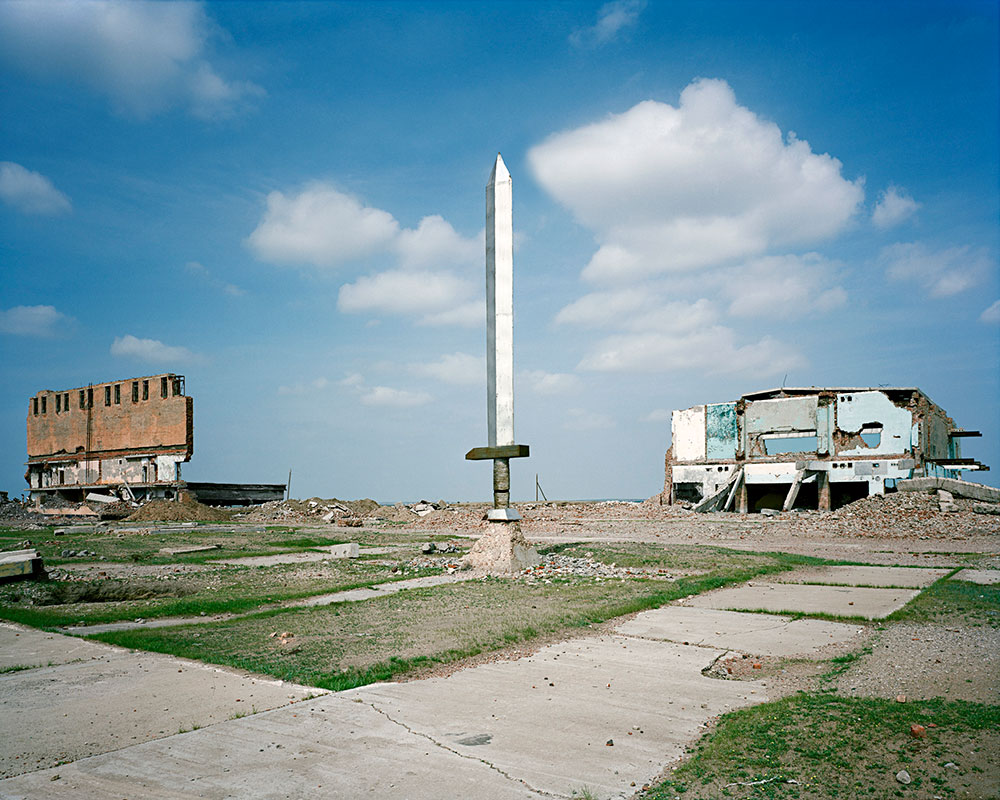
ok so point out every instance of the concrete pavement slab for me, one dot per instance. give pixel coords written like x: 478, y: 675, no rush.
x: 896, y: 577
x: 331, y: 747
x: 547, y: 719
x: 28, y: 647
x: 846, y: 601
x: 116, y: 698
x: 759, y: 634
x: 981, y: 576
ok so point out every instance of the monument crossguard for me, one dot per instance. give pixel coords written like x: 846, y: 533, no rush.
x: 500, y: 342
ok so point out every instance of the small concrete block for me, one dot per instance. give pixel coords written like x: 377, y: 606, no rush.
x: 349, y: 550
x: 183, y: 551
x: 503, y: 515
x: 502, y: 550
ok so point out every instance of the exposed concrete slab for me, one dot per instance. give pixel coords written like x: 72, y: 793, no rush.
x: 546, y: 720
x: 760, y: 634
x: 116, y: 698
x: 331, y: 747
x: 379, y: 590
x: 847, y: 601
x: 982, y: 576
x: 896, y: 577
x: 270, y: 561
x: 33, y: 648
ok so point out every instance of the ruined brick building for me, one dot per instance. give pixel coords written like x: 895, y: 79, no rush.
x: 134, y: 433
x: 808, y: 448
x: 127, y: 438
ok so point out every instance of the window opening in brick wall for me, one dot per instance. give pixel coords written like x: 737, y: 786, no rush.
x: 83, y: 399
x: 66, y: 401
x: 34, y: 405
x: 44, y: 399
x: 118, y: 394
x: 178, y: 387
x: 58, y: 403
x: 163, y: 387
x: 107, y: 395
x: 135, y: 391
x: 145, y: 390
x: 90, y: 398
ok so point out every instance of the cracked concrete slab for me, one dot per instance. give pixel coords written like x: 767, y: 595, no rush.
x: 28, y: 647
x: 548, y: 719
x: 845, y: 601
x: 329, y: 747
x: 113, y: 698
x: 759, y: 634
x: 896, y: 577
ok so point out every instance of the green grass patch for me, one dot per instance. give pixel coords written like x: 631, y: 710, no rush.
x: 819, y: 745
x: 953, y: 603
x: 15, y: 668
x: 351, y: 644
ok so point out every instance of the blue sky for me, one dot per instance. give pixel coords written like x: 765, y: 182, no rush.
x: 284, y: 202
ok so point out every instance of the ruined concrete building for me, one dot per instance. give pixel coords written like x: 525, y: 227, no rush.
x: 808, y: 448
x: 126, y: 437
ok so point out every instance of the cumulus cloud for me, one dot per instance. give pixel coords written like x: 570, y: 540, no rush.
x: 667, y: 188
x: 579, y: 419
x: 940, y: 273
x: 30, y: 192
x: 459, y: 369
x: 894, y: 206
x: 394, y: 398
x: 31, y: 321
x: 550, y: 383
x: 401, y: 292
x: 713, y: 350
x: 783, y: 286
x: 434, y: 243
x: 320, y: 226
x: 146, y: 57
x: 991, y: 316
x: 150, y: 351
x: 467, y: 315
x: 612, y: 19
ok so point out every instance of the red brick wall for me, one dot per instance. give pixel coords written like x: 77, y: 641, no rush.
x: 156, y: 423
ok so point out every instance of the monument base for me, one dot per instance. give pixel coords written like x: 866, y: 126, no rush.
x: 502, y: 550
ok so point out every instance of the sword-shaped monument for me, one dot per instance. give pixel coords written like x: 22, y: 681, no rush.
x: 502, y: 546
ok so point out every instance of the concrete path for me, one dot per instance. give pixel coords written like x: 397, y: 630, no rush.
x: 95, y: 698
x: 842, y: 601
x: 601, y: 714
x: 892, y: 577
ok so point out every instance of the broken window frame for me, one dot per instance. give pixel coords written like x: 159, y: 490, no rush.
x: 163, y: 386
x: 135, y: 391
x: 34, y: 406
x: 58, y: 403
x: 44, y: 403
x: 118, y: 394
x: 145, y: 390
x: 83, y: 399
x: 107, y: 395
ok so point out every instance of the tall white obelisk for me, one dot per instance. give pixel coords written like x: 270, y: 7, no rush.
x: 500, y: 306
x: 502, y: 549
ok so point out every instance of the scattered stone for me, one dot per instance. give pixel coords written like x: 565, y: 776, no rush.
x: 769, y: 512
x: 900, y: 698
x: 904, y: 777
x: 986, y: 508
x: 918, y: 731
x: 610, y: 743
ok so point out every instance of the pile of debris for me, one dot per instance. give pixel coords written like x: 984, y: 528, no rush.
x: 313, y: 510
x: 15, y: 514
x: 184, y: 510
x: 554, y: 566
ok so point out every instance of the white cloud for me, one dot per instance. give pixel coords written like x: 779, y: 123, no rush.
x: 320, y: 226
x: 991, y: 315
x: 352, y: 380
x: 712, y: 350
x: 30, y: 192
x: 940, y: 273
x: 400, y: 292
x: 783, y: 286
x: 460, y: 369
x: 395, y: 398
x: 31, y: 321
x: 467, y: 315
x: 151, y: 351
x: 434, y: 243
x: 612, y: 19
x: 666, y: 189
x: 606, y: 308
x: 316, y: 385
x: 656, y: 415
x: 146, y: 57
x: 894, y: 205
x: 551, y: 383
x: 579, y: 419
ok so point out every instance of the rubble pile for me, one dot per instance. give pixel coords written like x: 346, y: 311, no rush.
x: 313, y: 510
x: 15, y: 514
x: 185, y: 510
x: 906, y: 514
x: 555, y: 566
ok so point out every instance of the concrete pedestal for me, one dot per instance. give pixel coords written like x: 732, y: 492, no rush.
x: 502, y: 550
